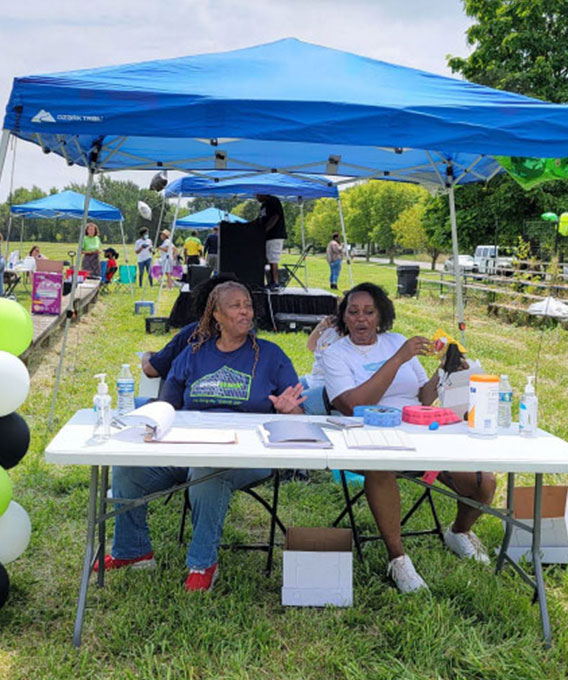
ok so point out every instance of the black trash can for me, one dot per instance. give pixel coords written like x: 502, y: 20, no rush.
x: 407, y: 279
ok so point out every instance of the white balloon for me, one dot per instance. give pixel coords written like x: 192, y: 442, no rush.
x: 144, y: 210
x: 15, y: 532
x: 14, y: 383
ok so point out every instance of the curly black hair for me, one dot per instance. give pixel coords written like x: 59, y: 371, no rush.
x: 382, y: 303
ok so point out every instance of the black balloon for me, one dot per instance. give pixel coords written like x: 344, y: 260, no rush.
x: 14, y: 440
x: 4, y: 585
x: 159, y: 181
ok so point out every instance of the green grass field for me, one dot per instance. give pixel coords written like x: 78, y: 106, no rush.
x: 470, y: 625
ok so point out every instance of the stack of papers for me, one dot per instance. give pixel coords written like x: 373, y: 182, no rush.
x: 378, y: 438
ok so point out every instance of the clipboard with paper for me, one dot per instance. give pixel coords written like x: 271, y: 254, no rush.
x: 154, y: 423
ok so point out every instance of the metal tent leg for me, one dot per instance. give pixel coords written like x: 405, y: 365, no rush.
x: 87, y: 562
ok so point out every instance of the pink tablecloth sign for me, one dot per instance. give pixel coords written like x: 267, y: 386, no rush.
x: 46, y: 292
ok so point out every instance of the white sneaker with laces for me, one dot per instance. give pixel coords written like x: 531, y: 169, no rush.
x: 405, y: 576
x: 466, y: 545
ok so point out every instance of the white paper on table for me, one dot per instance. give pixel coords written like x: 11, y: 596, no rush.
x: 378, y: 438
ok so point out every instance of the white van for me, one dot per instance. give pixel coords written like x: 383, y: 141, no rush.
x: 490, y: 260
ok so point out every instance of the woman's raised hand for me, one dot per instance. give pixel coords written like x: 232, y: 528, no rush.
x: 412, y: 347
x: 289, y: 401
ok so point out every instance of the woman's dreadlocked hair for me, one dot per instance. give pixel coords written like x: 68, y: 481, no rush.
x: 207, y: 327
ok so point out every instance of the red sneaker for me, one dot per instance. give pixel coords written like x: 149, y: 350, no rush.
x: 201, y: 579
x: 143, y: 562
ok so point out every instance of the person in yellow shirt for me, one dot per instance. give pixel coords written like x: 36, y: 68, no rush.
x: 192, y: 248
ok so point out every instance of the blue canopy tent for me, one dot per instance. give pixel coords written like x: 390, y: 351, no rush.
x: 206, y: 219
x: 287, y: 187
x: 69, y: 204
x: 287, y: 106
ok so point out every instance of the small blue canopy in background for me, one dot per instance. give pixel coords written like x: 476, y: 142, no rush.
x: 235, y: 184
x: 67, y: 204
x: 206, y: 219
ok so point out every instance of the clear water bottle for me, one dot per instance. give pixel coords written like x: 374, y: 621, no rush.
x: 505, y: 402
x: 125, y: 389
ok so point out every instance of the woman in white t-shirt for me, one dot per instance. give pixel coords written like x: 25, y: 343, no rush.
x: 370, y: 365
x: 143, y: 249
x: 167, y: 253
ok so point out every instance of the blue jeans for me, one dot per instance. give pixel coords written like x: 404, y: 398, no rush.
x: 209, y: 503
x: 334, y: 269
x: 145, y: 265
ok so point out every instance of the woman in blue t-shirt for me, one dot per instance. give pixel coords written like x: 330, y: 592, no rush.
x: 223, y: 368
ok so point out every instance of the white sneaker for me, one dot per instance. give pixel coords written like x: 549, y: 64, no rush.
x: 405, y: 576
x: 466, y: 545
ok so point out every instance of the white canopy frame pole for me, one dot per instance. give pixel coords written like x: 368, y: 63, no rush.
x: 455, y: 254
x: 130, y: 278
x: 302, y: 229
x: 4, y: 139
x: 170, y: 251
x: 69, y: 310
x: 345, y: 244
x: 159, y: 228
x: 11, y: 189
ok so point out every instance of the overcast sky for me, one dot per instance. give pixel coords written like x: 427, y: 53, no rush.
x: 62, y: 35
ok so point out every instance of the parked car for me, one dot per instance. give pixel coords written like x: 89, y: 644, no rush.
x: 493, y: 259
x: 358, y: 250
x: 465, y: 261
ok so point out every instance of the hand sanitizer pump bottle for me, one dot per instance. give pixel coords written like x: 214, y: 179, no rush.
x: 101, y: 401
x: 528, y: 411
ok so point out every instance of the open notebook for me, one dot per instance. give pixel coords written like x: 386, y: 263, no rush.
x: 154, y: 423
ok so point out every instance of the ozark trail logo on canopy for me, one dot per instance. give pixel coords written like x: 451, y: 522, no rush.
x: 43, y: 116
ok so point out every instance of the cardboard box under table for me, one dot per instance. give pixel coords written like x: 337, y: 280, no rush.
x: 554, y: 524
x: 317, y: 567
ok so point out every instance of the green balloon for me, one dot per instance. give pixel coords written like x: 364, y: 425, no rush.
x: 549, y: 216
x: 16, y: 327
x: 5, y: 490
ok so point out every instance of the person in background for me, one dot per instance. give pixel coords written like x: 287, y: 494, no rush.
x: 143, y: 249
x: 271, y: 218
x: 36, y: 254
x: 193, y: 248
x: 263, y: 380
x: 91, y: 250
x: 211, y: 248
x: 369, y: 366
x: 166, y: 249
x: 334, y: 255
x: 111, y: 256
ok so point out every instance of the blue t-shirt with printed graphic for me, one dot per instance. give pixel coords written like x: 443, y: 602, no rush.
x: 162, y: 361
x: 222, y: 381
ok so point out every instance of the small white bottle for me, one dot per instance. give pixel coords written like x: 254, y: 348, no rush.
x: 125, y: 389
x: 101, y: 401
x: 528, y: 411
x: 505, y: 402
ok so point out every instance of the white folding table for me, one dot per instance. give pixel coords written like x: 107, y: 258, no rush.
x: 450, y: 448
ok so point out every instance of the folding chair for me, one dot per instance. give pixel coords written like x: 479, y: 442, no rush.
x: 351, y: 500
x: 291, y: 269
x: 270, y: 507
x: 11, y: 280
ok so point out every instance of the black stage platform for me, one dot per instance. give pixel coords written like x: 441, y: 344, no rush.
x: 290, y: 302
